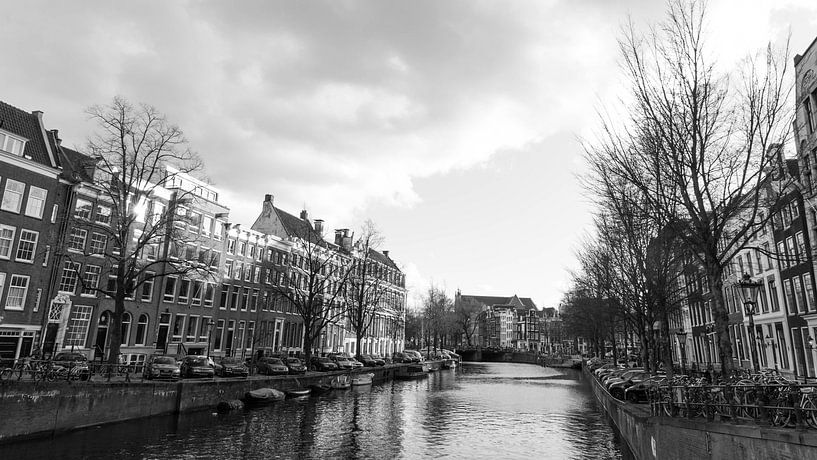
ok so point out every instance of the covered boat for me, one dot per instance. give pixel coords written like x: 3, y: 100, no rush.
x: 412, y: 372
x: 341, y: 382
x: 298, y: 392
x: 263, y: 396
x: 362, y: 379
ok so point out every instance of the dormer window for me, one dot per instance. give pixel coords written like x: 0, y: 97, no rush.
x: 12, y: 144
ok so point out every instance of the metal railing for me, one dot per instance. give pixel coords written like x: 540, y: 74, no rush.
x: 26, y: 369
x: 773, y: 404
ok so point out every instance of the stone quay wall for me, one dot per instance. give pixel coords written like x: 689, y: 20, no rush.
x: 41, y: 409
x: 492, y: 356
x: 671, y: 438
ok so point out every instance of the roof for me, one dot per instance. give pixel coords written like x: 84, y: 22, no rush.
x: 492, y: 301
x: 27, y: 125
x: 78, y: 163
x: 295, y: 226
x: 382, y: 258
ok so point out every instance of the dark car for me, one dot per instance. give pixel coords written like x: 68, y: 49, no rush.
x: 618, y: 387
x: 640, y: 391
x: 295, y: 366
x: 367, y: 360
x: 76, y: 363
x: 400, y: 357
x: 161, y: 367
x: 231, y: 367
x: 322, y: 364
x: 378, y: 360
x: 197, y: 366
x: 272, y: 366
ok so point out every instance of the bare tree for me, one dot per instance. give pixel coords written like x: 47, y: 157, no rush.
x: 366, y: 286
x: 137, y: 158
x: 465, y: 318
x: 700, y: 146
x: 315, y: 284
x: 437, y: 308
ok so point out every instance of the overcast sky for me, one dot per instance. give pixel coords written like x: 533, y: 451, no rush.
x: 453, y: 125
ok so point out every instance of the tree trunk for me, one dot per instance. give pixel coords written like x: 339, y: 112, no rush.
x: 720, y: 315
x: 665, y: 344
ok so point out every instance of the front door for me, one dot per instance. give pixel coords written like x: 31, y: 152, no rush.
x: 49, y: 344
x: 164, y: 328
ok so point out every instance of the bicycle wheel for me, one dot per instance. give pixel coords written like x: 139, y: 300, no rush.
x: 6, y: 374
x: 809, y: 411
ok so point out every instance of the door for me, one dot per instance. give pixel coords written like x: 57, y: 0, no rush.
x: 164, y: 328
x: 101, y: 335
x: 50, y: 338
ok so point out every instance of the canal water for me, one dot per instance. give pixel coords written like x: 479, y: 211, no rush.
x: 482, y: 410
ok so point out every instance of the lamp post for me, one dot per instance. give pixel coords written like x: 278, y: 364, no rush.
x: 770, y: 342
x: 210, y: 324
x: 749, y: 289
x: 682, y: 343
x: 810, y: 341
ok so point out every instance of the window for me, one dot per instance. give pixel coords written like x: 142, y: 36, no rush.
x: 98, y: 243
x: 218, y: 232
x: 801, y: 245
x: 192, y: 328
x: 248, y: 272
x: 242, y: 248
x: 228, y: 269
x: 225, y: 294
x: 76, y: 240
x: 141, y: 329
x: 206, y: 225
x: 18, y: 289
x: 204, y: 324
x: 194, y: 222
x: 13, y: 196
x: 198, y: 287
x: 178, y: 328
x: 801, y: 295
x: 12, y: 144
x: 809, y: 114
x: 126, y: 319
x: 103, y: 214
x: 209, y: 293
x: 184, y: 290
x: 219, y: 334
x: 245, y: 299
x: 6, y: 240
x: 82, y: 210
x: 90, y: 280
x: 809, y: 292
x: 781, y: 255
x: 181, y: 217
x: 27, y: 246
x: 230, y: 246
x: 147, y: 287
x: 170, y: 289
x: 256, y: 275
x: 795, y: 210
x: 254, y: 303
x: 77, y: 329
x: 252, y: 251
x: 36, y: 202
x: 234, y: 298
x: 68, y: 279
x: 792, y: 304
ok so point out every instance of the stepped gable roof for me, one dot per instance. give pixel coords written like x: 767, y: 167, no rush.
x: 382, y: 258
x: 27, y: 125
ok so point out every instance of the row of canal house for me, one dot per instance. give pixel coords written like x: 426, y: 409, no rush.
x: 56, y: 245
x: 781, y: 257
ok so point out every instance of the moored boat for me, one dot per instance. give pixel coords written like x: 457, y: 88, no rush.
x: 362, y: 379
x: 298, y: 392
x: 412, y: 372
x: 263, y: 396
x: 341, y: 382
x: 320, y: 388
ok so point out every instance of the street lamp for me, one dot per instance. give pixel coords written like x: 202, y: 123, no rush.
x: 810, y: 341
x: 749, y: 288
x: 682, y: 343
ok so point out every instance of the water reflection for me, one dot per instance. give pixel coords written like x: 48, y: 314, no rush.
x: 485, y: 410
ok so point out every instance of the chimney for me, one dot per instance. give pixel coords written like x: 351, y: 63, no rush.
x: 304, y: 215
x: 386, y: 253
x: 338, y: 237
x: 57, y: 139
x: 319, y: 226
x: 268, y: 198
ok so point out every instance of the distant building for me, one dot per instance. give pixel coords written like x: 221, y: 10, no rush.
x: 507, y: 322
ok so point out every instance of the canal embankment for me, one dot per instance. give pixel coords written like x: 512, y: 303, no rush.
x: 40, y: 409
x: 650, y: 437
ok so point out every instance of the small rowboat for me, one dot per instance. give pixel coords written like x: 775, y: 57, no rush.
x: 320, y: 388
x: 362, y: 379
x: 298, y: 392
x: 340, y: 382
x: 263, y: 396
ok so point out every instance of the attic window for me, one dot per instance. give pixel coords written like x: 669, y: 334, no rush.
x: 12, y: 144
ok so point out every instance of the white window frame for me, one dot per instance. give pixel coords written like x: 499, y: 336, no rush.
x: 10, y: 240
x: 84, y: 237
x: 22, y: 305
x: 8, y: 192
x: 98, y: 211
x: 36, y: 213
x: 93, y: 270
x: 33, y: 243
x: 92, y: 250
x: 79, y: 211
x: 66, y: 277
x: 76, y: 333
x: 12, y: 143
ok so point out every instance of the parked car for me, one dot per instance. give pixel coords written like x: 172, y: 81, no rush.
x: 640, y: 391
x: 617, y: 387
x: 272, y: 366
x: 161, y: 367
x: 379, y: 361
x: 621, y: 377
x: 400, y: 357
x: 231, y: 367
x: 322, y: 364
x: 367, y: 360
x: 342, y: 362
x: 355, y: 363
x: 416, y: 354
x: 197, y: 366
x: 76, y: 363
x: 295, y: 366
